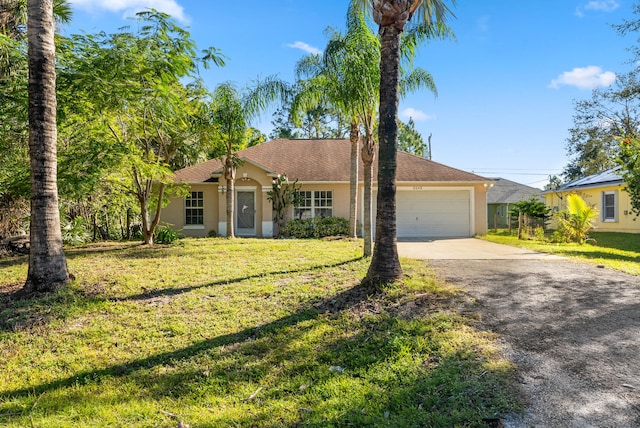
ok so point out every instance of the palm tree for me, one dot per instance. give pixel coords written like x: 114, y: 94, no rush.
x: 577, y: 220
x: 392, y: 16
x: 346, y: 77
x: 47, y: 262
x: 231, y: 114
x: 13, y: 16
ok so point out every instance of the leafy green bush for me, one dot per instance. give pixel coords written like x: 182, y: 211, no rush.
x: 331, y: 226
x: 165, y: 235
x: 317, y: 227
x: 538, y: 232
x: 529, y: 215
x: 300, y: 228
x: 136, y: 231
x: 75, y: 232
x: 557, y: 237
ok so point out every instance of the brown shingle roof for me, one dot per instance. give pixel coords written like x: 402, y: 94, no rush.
x: 324, y: 160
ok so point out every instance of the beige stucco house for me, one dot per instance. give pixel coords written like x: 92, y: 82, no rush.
x: 433, y: 200
x: 604, y: 191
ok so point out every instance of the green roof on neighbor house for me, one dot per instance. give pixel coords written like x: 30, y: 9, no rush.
x: 324, y: 160
x: 508, y: 192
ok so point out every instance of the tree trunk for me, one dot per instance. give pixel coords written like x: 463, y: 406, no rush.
x: 144, y: 213
x: 128, y: 235
x: 47, y: 262
x: 519, y: 225
x: 230, y: 210
x: 385, y: 264
x: 368, y: 155
x: 156, y: 217
x: 354, y: 138
x: 230, y: 173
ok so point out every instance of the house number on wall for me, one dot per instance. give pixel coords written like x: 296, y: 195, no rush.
x: 417, y: 187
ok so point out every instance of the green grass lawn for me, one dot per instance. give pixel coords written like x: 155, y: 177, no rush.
x: 619, y: 251
x: 242, y: 333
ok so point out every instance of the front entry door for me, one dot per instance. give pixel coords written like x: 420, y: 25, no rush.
x: 246, y: 213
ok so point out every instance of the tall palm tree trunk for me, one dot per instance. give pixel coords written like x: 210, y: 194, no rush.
x: 354, y: 138
x: 368, y: 155
x: 230, y: 175
x: 385, y: 264
x: 231, y: 224
x: 47, y: 262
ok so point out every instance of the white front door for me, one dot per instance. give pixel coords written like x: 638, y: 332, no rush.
x: 246, y: 213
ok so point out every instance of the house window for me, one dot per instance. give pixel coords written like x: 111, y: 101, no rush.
x: 314, y: 204
x: 609, y: 211
x: 194, y: 209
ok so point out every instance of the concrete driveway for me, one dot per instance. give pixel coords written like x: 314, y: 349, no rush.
x: 465, y: 249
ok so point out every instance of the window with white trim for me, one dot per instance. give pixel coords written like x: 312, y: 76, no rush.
x: 609, y: 211
x: 194, y: 209
x: 316, y: 203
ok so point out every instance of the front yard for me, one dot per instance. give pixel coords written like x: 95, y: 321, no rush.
x: 620, y: 251
x: 264, y: 333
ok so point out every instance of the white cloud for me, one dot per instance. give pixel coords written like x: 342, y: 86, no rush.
x: 131, y: 7
x: 416, y: 115
x: 598, y: 6
x: 305, y: 47
x: 584, y: 78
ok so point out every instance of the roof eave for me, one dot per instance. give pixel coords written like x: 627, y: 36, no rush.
x: 586, y: 187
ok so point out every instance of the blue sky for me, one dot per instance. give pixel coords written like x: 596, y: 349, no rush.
x: 506, y: 84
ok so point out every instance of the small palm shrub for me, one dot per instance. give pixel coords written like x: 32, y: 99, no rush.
x: 577, y: 220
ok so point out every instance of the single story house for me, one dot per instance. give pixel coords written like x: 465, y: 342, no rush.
x: 502, y: 195
x: 604, y: 191
x: 433, y: 200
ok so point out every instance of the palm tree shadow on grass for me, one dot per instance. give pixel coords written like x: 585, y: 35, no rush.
x: 258, y: 354
x: 334, y: 304
x: 176, y: 291
x: 24, y: 310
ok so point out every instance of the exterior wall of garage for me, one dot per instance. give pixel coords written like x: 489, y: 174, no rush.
x: 480, y: 208
x: 466, y: 202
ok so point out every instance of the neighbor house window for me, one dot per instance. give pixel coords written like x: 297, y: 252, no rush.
x: 194, y: 208
x: 317, y: 203
x: 609, y: 211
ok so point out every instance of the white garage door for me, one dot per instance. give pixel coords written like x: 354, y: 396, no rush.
x: 433, y: 213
